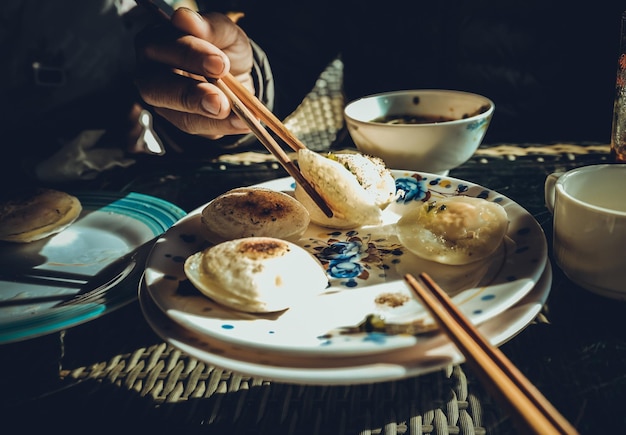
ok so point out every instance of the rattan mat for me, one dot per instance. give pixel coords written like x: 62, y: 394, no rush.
x: 171, y: 386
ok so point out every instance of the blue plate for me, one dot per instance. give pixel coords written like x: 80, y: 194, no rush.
x: 37, y: 276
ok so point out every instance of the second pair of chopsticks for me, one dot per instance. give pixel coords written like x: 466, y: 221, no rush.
x: 529, y: 408
x: 249, y: 108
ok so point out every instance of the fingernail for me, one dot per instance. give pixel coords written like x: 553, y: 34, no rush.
x: 192, y: 12
x: 212, y: 104
x: 214, y: 64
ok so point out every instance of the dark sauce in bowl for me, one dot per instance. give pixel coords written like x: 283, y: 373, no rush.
x: 411, y: 119
x: 425, y: 119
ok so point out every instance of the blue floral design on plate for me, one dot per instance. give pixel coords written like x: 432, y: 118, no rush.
x: 352, y: 260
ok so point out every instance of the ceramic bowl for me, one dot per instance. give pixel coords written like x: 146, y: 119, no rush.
x: 430, y: 130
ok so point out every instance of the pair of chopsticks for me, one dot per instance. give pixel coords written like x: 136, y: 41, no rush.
x: 530, y: 409
x: 250, y: 110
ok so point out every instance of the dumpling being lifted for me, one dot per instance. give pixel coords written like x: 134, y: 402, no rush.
x: 357, y: 188
x: 455, y: 230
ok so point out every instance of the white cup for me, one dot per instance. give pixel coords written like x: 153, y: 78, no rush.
x: 589, y: 209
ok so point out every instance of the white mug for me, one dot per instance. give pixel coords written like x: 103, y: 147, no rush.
x: 589, y: 209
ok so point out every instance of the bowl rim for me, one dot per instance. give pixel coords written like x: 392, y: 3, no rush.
x: 405, y: 92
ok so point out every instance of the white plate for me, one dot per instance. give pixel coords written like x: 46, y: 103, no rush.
x: 362, y: 264
x: 39, y: 275
x: 425, y: 357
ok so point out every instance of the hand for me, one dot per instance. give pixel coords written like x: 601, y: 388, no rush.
x: 174, y: 61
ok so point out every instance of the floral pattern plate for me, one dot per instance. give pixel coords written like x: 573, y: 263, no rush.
x: 365, y: 267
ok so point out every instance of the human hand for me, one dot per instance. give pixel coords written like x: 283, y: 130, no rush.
x: 176, y: 66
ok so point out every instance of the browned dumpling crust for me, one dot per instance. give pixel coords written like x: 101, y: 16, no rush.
x: 254, y: 212
x: 256, y: 274
x: 34, y: 214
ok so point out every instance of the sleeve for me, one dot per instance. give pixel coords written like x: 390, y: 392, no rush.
x: 262, y: 76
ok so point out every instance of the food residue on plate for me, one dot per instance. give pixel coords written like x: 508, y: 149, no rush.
x: 392, y: 300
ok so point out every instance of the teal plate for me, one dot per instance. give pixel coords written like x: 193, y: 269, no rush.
x: 38, y: 276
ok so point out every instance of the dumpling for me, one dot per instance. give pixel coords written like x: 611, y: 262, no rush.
x: 454, y: 230
x: 355, y: 186
x: 256, y: 274
x: 254, y: 212
x: 33, y: 214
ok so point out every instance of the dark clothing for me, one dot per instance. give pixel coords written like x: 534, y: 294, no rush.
x: 68, y: 66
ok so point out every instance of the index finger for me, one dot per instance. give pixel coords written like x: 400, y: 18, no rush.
x: 179, y: 49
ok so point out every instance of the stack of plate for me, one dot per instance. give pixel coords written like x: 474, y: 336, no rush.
x: 312, y: 343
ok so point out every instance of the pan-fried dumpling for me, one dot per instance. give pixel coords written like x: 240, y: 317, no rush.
x: 28, y: 215
x: 256, y: 274
x: 254, y: 212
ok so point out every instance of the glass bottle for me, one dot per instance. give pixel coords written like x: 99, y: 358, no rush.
x: 618, y: 133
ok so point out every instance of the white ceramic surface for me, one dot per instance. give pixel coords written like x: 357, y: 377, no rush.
x: 589, y: 208
x: 362, y: 264
x: 37, y: 276
x: 435, y: 147
x: 424, y: 357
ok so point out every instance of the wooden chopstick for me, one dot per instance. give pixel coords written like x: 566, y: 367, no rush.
x: 243, y: 111
x: 259, y: 110
x: 249, y: 108
x: 529, y: 408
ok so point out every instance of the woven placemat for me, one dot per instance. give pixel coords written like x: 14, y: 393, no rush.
x: 195, y: 395
x: 557, y: 149
x: 566, y: 151
x: 318, y: 120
